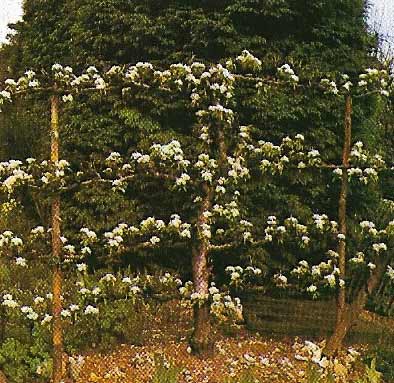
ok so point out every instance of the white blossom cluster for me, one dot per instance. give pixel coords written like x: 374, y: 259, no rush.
x: 27, y: 82
x: 365, y: 167
x: 287, y: 74
x: 222, y: 306
x: 374, y: 79
x: 373, y: 244
x: 15, y: 173
x: 213, y: 86
x: 330, y: 87
x: 149, y: 232
x: 291, y: 153
x: 9, y: 240
x: 333, y: 368
x: 390, y: 272
x: 291, y: 229
x: 324, y: 274
x: 163, y: 160
x: 247, y: 62
x: 240, y: 276
x: 180, y: 78
x: 371, y: 81
x: 37, y: 311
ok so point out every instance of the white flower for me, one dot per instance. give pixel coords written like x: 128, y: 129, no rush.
x: 304, y: 263
x: 96, y: 291
x: 280, y: 279
x: 185, y: 233
x: 235, y: 276
x: 5, y: 94
x: 385, y: 93
x: 26, y: 309
x: 17, y: 242
x: 47, y: 319
x: 100, y: 83
x: 337, y: 171
x: 82, y: 267
x: 330, y: 278
x: 135, y: 289
x: 341, y: 237
x: 21, y: 262
x: 38, y: 300
x: 66, y: 313
x: 10, y: 82
x: 89, y: 233
x: 84, y: 291
x: 182, y: 180
x: 37, y: 230
x: 74, y: 307
x: 213, y: 290
x: 114, y: 156
x: 390, y: 272
x: 108, y: 278
x: 68, y: 98
x: 10, y: 303
x: 32, y: 316
x: 371, y: 266
x: 86, y: 250
x: 367, y: 225
x: 311, y: 289
x: 91, y: 310
x: 57, y: 67
x: 154, y: 240
x: 378, y: 247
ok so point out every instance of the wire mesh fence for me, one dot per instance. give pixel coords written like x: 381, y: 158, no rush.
x: 268, y: 347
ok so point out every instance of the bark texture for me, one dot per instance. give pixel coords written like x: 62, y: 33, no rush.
x: 353, y: 310
x: 201, y: 341
x: 57, y: 332
x: 342, y: 311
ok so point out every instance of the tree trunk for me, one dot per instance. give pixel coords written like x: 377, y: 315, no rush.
x: 342, y: 319
x: 201, y: 341
x: 351, y: 312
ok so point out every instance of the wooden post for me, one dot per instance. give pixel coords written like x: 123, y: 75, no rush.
x: 343, y: 203
x: 341, y: 314
x: 57, y: 333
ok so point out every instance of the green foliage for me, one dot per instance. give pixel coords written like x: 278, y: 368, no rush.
x: 329, y: 33
x: 381, y: 361
x: 25, y: 362
x: 166, y: 372
x: 120, y: 321
x: 371, y: 374
x: 246, y: 376
x: 315, y: 374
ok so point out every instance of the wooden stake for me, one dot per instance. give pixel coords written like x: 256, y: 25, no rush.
x: 342, y: 210
x: 57, y: 332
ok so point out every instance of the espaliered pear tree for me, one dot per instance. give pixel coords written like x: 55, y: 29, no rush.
x: 212, y: 174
